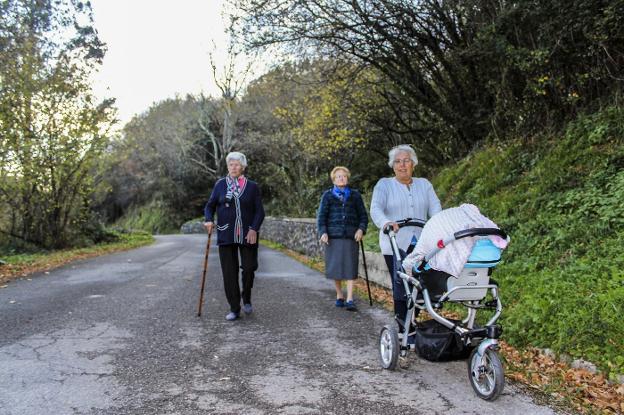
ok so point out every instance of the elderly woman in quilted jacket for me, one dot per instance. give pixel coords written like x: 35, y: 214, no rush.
x: 341, y: 224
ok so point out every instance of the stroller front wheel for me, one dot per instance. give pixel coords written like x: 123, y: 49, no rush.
x: 389, y: 347
x: 486, y: 374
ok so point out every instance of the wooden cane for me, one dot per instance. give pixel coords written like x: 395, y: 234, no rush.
x: 201, y: 294
x: 370, y: 299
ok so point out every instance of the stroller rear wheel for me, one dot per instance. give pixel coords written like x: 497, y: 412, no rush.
x: 389, y: 347
x: 486, y: 374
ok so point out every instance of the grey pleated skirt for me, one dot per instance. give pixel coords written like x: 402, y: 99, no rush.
x: 341, y: 259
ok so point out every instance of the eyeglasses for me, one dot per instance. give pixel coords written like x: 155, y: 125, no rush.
x: 403, y: 161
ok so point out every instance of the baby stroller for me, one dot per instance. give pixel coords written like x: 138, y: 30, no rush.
x: 442, y: 338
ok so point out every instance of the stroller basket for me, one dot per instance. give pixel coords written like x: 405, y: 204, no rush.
x: 435, y: 342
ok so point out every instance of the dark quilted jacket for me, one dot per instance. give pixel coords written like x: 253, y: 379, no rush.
x: 341, y: 220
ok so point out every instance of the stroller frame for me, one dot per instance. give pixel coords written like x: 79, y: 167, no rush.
x: 484, y: 367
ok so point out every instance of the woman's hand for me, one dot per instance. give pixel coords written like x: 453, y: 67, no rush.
x: 209, y: 226
x: 358, y: 235
x: 252, y: 237
x: 395, y: 226
x: 324, y: 239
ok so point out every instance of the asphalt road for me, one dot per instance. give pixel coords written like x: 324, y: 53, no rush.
x: 119, y: 334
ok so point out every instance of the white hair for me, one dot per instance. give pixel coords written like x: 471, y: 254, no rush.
x: 403, y: 148
x: 238, y: 156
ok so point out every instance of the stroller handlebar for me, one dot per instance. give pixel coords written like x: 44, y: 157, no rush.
x: 480, y: 232
x: 405, y: 222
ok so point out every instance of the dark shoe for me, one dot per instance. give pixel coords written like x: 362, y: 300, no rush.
x: 247, y: 309
x: 231, y: 316
x: 351, y: 305
x: 340, y: 302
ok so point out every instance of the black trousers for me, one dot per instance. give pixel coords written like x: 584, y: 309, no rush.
x: 228, y: 256
x: 398, y: 290
x: 399, y: 296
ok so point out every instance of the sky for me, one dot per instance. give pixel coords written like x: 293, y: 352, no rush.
x: 156, y: 49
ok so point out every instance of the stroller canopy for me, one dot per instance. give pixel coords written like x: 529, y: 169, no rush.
x: 484, y: 255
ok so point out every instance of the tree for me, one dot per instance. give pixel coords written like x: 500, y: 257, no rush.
x: 161, y: 158
x: 230, y: 80
x: 52, y: 130
x: 457, y: 71
x: 417, y: 45
x: 300, y: 120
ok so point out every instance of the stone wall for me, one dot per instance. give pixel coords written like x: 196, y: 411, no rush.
x: 194, y: 226
x: 299, y: 234
x: 296, y: 234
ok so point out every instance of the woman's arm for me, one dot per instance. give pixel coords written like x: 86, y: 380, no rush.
x: 378, y: 204
x: 322, y: 214
x: 211, y: 205
x: 258, y: 210
x: 210, y: 209
x: 434, y: 202
x: 361, y: 211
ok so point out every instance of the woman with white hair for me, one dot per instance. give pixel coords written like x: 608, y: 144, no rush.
x: 238, y: 206
x: 401, y: 197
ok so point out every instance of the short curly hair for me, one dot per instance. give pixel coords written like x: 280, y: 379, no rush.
x: 238, y: 156
x: 335, y: 169
x: 405, y: 148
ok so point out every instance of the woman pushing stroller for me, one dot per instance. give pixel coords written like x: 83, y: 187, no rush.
x: 400, y: 197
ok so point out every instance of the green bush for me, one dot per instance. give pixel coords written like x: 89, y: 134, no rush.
x: 561, y: 198
x: 154, y: 218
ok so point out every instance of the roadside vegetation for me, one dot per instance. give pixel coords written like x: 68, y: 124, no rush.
x: 153, y: 218
x: 23, y: 264
x: 561, y: 198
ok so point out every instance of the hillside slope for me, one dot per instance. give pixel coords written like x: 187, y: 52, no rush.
x: 561, y: 198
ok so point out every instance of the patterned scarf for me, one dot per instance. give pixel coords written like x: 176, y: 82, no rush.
x: 342, y: 194
x: 235, y: 187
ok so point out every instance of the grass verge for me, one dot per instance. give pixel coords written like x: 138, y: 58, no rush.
x: 555, y: 383
x: 21, y: 265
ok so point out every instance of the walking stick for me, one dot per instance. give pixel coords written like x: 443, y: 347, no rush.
x: 370, y: 299
x: 201, y: 294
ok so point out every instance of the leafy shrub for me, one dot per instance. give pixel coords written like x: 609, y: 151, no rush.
x: 155, y: 218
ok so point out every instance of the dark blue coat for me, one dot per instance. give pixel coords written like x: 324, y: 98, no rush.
x: 247, y: 208
x: 341, y: 220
